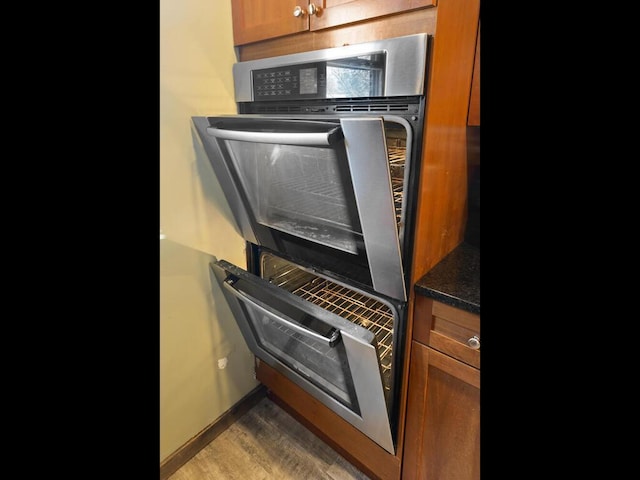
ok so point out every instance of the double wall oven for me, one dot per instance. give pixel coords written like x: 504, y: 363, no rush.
x: 320, y: 168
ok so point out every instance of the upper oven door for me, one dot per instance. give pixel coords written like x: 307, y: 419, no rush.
x: 323, y: 183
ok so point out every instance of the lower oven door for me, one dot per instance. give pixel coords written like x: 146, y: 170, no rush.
x: 331, y: 358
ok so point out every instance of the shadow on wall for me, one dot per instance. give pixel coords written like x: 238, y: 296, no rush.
x: 230, y: 352
x: 197, y: 329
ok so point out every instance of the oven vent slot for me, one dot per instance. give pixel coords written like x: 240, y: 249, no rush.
x: 279, y: 109
x: 325, y: 107
x: 372, y: 108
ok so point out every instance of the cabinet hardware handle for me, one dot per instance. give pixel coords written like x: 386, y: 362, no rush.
x: 474, y: 342
x: 298, y: 11
x: 313, y: 9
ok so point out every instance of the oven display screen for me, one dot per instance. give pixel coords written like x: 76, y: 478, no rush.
x: 308, y: 81
x: 354, y: 77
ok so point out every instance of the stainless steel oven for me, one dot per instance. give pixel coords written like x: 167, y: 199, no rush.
x: 320, y: 169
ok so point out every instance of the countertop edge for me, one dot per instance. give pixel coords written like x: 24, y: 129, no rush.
x: 455, y: 280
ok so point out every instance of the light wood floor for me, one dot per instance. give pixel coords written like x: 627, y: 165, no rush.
x: 267, y: 444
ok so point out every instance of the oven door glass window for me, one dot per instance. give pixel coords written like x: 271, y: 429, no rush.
x: 305, y: 191
x: 323, y: 365
x: 310, y: 346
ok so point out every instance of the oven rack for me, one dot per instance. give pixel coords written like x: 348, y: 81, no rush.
x: 287, y: 276
x: 312, y: 196
x: 397, y: 159
x: 319, y: 198
x: 355, y: 307
x: 397, y: 155
x: 397, y: 186
x: 321, y: 186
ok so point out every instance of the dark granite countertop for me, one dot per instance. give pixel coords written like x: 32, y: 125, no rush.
x: 455, y: 280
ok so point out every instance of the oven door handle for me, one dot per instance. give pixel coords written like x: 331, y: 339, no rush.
x: 328, y: 138
x: 279, y: 318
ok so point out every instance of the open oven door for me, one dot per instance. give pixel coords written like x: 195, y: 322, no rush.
x: 323, y: 182
x: 331, y: 358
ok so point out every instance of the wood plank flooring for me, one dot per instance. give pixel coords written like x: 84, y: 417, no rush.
x: 267, y: 444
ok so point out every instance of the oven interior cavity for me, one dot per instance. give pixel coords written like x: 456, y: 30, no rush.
x: 308, y: 191
x: 396, y: 139
x: 345, y: 302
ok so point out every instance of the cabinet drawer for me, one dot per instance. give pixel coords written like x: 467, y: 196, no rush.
x: 452, y: 331
x: 447, y: 329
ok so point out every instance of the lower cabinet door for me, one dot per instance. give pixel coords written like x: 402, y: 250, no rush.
x: 442, y: 435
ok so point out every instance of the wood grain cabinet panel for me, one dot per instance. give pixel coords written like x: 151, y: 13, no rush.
x: 442, y: 432
x: 341, y: 12
x: 256, y: 20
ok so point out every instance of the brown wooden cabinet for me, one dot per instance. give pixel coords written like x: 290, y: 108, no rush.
x: 473, y: 119
x: 255, y: 20
x: 442, y: 433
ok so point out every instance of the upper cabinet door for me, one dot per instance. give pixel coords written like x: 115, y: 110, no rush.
x: 330, y: 13
x: 257, y: 20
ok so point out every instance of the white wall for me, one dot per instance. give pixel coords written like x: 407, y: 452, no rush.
x: 196, y: 325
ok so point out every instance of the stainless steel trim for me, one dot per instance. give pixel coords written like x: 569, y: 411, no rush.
x: 280, y: 318
x: 369, y: 165
x: 366, y: 379
x: 407, y: 54
x: 312, y: 139
x: 212, y: 150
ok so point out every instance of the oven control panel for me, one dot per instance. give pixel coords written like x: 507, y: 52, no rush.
x: 390, y: 67
x: 351, y: 77
x: 293, y: 82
